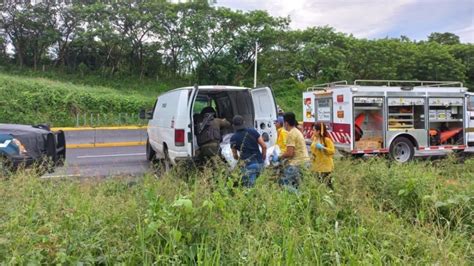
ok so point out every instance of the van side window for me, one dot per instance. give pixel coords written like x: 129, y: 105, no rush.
x: 154, y: 106
x: 470, y: 103
x: 201, y: 103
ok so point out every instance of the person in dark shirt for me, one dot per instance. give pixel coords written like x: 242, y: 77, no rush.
x: 247, y: 142
x: 208, y: 133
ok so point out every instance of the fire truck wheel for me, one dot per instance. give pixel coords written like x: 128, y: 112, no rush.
x: 402, y: 150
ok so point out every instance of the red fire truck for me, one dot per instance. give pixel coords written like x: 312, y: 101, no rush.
x: 391, y: 116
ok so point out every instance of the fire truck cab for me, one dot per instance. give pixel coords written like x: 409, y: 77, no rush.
x: 390, y: 116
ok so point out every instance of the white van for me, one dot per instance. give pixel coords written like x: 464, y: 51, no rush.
x: 170, y: 129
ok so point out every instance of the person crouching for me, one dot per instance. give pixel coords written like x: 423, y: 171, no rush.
x: 247, y: 142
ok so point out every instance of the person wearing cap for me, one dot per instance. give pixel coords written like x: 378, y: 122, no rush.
x: 322, y: 151
x: 281, y: 134
x: 247, y: 141
x: 296, y: 152
x: 280, y: 111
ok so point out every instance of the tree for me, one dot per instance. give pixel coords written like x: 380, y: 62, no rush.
x: 170, y: 24
x: 14, y: 23
x: 69, y: 20
x: 464, y: 53
x: 31, y: 30
x: 446, y: 38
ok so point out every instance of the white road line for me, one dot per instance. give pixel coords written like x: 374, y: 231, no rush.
x: 110, y: 155
x: 59, y: 176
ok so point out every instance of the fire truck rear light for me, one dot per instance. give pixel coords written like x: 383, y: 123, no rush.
x: 179, y: 137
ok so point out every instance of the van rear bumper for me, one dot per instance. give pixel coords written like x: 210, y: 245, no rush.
x: 177, y: 157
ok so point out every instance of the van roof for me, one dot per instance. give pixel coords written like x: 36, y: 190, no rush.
x: 212, y: 87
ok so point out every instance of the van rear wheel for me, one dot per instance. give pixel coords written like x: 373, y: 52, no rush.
x: 150, y: 153
x: 402, y: 150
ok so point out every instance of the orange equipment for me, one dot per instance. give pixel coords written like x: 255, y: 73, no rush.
x: 446, y: 135
x: 359, y: 119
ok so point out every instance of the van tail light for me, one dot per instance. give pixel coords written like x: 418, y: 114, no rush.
x: 179, y: 137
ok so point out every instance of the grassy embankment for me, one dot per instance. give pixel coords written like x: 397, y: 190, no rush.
x: 55, y: 98
x: 380, y: 213
x: 40, y: 100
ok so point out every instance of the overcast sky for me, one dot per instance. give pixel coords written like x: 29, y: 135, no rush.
x: 373, y: 18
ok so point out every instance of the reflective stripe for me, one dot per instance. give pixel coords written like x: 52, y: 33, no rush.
x: 447, y: 147
x: 6, y: 143
x: 369, y: 151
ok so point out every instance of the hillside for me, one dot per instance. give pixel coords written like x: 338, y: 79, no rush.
x: 62, y: 99
x: 26, y: 99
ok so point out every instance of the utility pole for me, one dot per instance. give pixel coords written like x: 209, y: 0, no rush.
x: 255, y: 67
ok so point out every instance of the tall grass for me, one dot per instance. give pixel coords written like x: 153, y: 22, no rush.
x: 380, y: 213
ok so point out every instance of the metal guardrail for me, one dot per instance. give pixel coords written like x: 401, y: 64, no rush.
x: 106, y: 119
x: 89, y: 137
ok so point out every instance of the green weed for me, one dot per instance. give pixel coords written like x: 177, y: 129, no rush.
x: 379, y: 213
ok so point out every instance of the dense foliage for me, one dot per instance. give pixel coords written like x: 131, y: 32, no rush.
x: 195, y: 42
x: 380, y: 213
x: 38, y: 100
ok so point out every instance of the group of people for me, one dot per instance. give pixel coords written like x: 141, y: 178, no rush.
x: 249, y: 148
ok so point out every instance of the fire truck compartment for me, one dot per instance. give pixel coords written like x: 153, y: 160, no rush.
x: 368, y: 123
x: 446, y: 124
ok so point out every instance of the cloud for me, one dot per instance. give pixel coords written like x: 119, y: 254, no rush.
x: 372, y: 18
x: 362, y: 18
x: 466, y: 34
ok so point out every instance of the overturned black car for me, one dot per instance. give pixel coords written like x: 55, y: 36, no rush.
x: 24, y: 145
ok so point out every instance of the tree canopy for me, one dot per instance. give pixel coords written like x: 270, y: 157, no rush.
x: 199, y: 43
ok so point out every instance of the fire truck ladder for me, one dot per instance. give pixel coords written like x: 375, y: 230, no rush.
x: 410, y: 82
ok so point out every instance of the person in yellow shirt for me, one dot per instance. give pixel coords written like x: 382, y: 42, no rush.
x: 281, y: 134
x: 322, y: 151
x: 296, y: 153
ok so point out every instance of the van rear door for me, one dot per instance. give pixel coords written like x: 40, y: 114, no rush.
x: 191, y: 136
x: 265, y: 112
x: 470, y: 119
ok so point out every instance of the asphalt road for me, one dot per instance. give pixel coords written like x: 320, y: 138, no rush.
x: 103, y: 162
x: 116, y: 161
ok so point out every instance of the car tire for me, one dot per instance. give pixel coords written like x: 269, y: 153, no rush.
x: 402, y: 150
x: 150, y: 153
